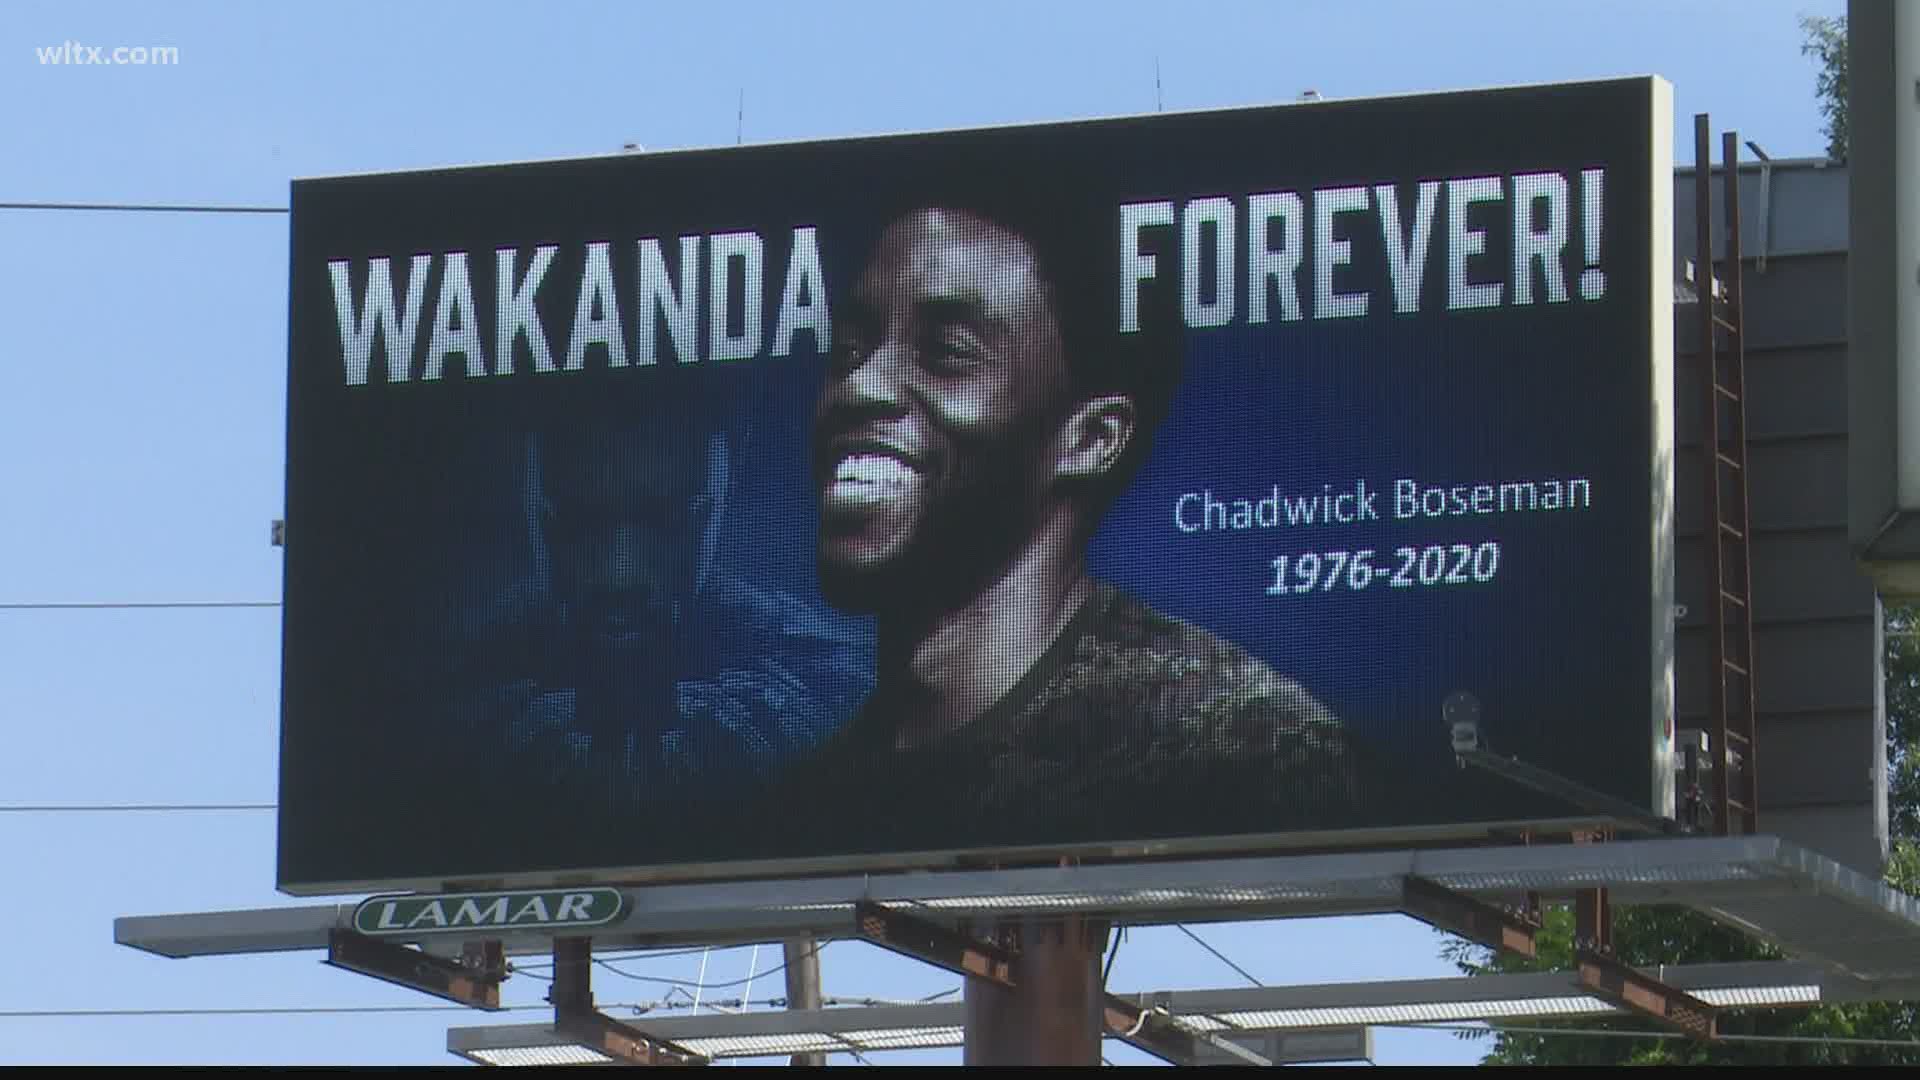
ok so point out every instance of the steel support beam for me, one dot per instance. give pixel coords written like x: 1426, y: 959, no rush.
x: 934, y: 944
x: 478, y: 987
x: 1620, y: 985
x: 1632, y: 817
x: 1243, y: 1014
x: 1593, y: 921
x: 603, y: 1033
x: 1458, y: 913
x: 1159, y: 1034
x: 1806, y: 904
x: 575, y: 1016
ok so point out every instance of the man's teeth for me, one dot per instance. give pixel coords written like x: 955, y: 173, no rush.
x: 872, y: 469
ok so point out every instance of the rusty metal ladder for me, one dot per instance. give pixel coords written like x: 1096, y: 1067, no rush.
x: 1728, y: 523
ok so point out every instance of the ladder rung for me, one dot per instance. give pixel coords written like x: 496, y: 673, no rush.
x: 1727, y: 461
x: 1735, y: 668
x: 1738, y: 805
x: 1742, y: 736
x: 1730, y: 530
x: 1732, y: 599
x: 1726, y: 392
x: 1725, y: 325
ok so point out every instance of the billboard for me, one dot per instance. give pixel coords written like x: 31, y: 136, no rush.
x: 1121, y: 486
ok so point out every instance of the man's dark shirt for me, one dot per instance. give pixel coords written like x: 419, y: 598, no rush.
x: 765, y: 676
x: 1131, y: 726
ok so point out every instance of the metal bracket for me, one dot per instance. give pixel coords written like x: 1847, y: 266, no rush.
x: 601, y: 1032
x: 1541, y: 780
x: 1593, y: 921
x: 1621, y: 985
x: 575, y: 1016
x: 1152, y: 1030
x: 477, y: 986
x: 1473, y: 919
x: 935, y: 944
x: 1159, y: 1034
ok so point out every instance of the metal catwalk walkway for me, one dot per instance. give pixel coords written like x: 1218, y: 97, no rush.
x: 1813, y: 908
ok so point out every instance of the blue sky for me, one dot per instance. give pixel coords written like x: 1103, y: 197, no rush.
x: 142, y: 394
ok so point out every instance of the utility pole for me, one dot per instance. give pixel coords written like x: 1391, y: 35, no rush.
x: 803, y: 986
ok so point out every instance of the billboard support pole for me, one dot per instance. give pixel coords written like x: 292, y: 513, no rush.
x: 1053, y: 1013
x: 1593, y: 921
x: 1034, y: 994
x: 1593, y: 908
x: 572, y: 989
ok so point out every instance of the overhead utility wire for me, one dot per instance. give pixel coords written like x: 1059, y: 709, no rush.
x: 134, y: 808
x: 1222, y: 957
x: 709, y: 986
x: 315, y: 1010
x: 1523, y: 1029
x: 146, y: 208
x: 97, y: 605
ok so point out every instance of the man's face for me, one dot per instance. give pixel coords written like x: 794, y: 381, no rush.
x: 623, y: 517
x: 944, y: 393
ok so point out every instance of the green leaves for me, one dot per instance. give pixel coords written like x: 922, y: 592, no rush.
x: 1827, y: 42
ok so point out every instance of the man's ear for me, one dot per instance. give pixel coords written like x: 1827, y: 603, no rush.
x: 1094, y: 436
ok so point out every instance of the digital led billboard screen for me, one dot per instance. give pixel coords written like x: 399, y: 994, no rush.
x: 1130, y: 485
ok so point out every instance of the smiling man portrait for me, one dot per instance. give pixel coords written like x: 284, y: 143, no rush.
x: 980, y: 412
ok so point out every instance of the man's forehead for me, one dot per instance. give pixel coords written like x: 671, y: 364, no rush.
x: 948, y: 254
x: 661, y: 458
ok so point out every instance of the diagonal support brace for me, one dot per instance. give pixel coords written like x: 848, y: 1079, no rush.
x: 1158, y: 1034
x: 1621, y: 985
x: 1473, y: 919
x: 601, y: 1032
x: 933, y: 943
x: 415, y: 970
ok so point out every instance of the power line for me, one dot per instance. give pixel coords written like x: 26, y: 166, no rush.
x: 146, y: 208
x: 663, y: 980
x: 290, y: 1010
x: 100, y: 605
x: 1112, y: 954
x: 1522, y: 1029
x: 302, y: 1010
x: 707, y: 986
x: 1222, y: 957
x: 134, y: 808
x: 639, y: 954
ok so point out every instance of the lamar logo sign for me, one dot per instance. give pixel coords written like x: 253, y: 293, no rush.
x: 529, y: 910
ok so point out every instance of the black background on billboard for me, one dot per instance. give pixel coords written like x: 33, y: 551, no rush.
x: 380, y: 779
